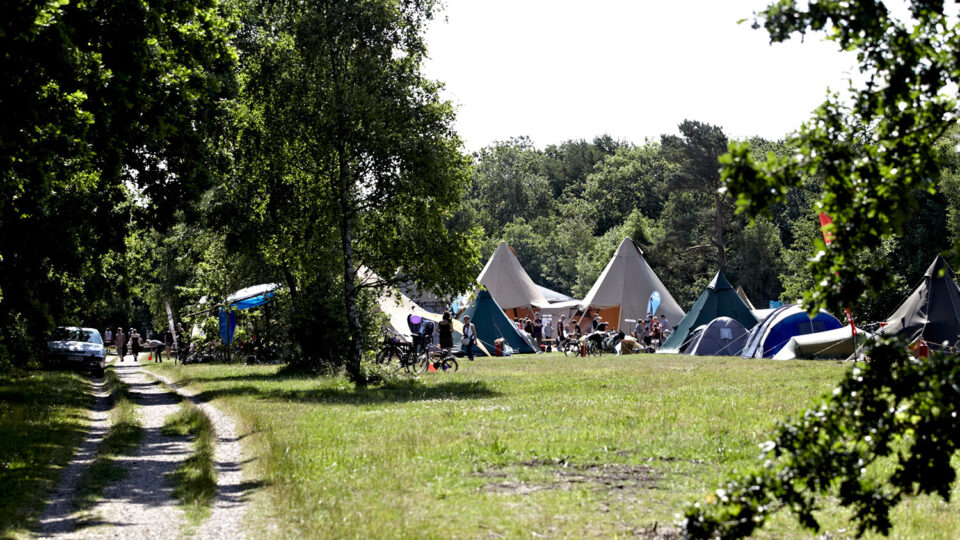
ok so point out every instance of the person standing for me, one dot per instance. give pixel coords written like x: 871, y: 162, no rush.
x: 108, y: 337
x: 168, y: 341
x: 469, y: 336
x: 538, y: 329
x: 135, y: 344
x: 594, y: 322
x: 121, y: 339
x: 445, y: 331
x: 548, y: 334
x: 561, y: 331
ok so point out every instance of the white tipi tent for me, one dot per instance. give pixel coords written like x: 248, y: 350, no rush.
x: 623, y: 289
x: 397, y: 306
x: 509, y: 284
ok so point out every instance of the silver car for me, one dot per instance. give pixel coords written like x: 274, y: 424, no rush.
x: 82, y: 349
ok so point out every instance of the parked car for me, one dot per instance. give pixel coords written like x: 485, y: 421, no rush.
x: 82, y: 349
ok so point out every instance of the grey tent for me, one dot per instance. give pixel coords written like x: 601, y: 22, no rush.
x: 743, y: 296
x: 932, y: 312
x: 719, y: 299
x: 509, y: 284
x: 722, y: 336
x: 554, y: 296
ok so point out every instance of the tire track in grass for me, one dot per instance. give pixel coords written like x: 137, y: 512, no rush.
x: 141, y: 504
x: 229, y: 504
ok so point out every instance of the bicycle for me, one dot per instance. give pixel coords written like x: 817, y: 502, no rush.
x: 408, y: 358
x: 441, y: 359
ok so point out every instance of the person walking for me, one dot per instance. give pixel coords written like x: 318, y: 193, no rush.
x: 135, y: 344
x: 121, y: 339
x: 108, y: 337
x: 445, y: 331
x: 469, y: 336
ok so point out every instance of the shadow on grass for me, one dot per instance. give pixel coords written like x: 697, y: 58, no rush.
x: 40, y: 425
x: 397, y: 392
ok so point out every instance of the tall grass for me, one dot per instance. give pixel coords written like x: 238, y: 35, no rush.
x: 42, y: 421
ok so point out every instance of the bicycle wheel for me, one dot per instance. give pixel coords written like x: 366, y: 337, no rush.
x: 593, y: 349
x: 386, y: 355
x: 450, y: 365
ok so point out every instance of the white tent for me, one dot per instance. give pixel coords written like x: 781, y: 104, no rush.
x: 397, y: 306
x: 509, y: 284
x: 623, y: 290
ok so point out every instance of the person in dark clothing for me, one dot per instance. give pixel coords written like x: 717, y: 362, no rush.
x: 135, y: 344
x: 538, y: 329
x: 445, y: 330
x: 168, y: 341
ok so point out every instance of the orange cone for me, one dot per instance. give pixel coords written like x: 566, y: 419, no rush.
x: 430, y: 367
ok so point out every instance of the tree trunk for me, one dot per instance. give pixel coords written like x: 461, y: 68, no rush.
x: 350, y: 301
x: 345, y: 193
x: 721, y: 255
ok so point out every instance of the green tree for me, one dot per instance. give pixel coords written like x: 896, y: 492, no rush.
x: 875, y: 151
x: 110, y: 117
x: 632, y: 178
x: 756, y: 261
x: 348, y: 157
x: 506, y: 184
x: 696, y: 154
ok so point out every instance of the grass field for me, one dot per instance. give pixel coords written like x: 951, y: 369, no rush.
x: 518, y: 447
x: 42, y: 420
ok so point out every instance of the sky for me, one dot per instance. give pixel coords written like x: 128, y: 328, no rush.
x: 556, y: 70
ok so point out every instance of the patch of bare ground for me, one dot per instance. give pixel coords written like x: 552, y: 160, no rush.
x: 606, y: 477
x: 615, y: 480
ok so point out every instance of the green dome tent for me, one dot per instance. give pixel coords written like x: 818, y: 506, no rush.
x: 720, y: 299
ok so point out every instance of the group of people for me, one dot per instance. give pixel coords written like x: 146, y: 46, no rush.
x: 650, y: 329
x: 133, y: 342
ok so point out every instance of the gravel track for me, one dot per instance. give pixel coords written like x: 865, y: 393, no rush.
x: 142, y: 504
x: 229, y: 507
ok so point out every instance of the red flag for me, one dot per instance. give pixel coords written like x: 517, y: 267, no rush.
x: 827, y: 238
x: 824, y: 221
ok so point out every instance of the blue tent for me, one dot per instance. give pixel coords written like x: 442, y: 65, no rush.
x: 247, y: 298
x: 493, y: 324
x: 767, y: 338
x: 252, y: 297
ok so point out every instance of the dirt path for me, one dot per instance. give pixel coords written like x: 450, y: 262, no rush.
x: 229, y: 506
x: 142, y: 504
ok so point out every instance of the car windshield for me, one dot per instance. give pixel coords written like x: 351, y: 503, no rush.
x: 76, y: 334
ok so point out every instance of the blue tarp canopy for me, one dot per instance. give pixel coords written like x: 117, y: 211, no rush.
x: 247, y: 298
x: 252, y: 297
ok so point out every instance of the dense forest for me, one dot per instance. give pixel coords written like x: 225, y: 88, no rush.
x: 182, y: 154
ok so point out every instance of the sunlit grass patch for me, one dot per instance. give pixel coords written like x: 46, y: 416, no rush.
x: 42, y: 421
x: 195, y: 480
x: 514, y: 447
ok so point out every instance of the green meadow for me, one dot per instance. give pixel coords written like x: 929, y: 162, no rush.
x: 528, y: 446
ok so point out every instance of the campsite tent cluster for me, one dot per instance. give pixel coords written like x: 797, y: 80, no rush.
x: 722, y: 322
